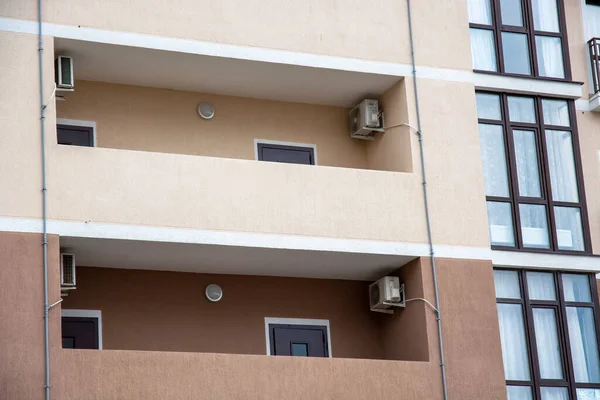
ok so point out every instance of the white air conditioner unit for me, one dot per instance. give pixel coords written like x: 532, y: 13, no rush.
x: 386, y: 293
x: 366, y: 120
x: 67, y: 271
x: 63, y: 72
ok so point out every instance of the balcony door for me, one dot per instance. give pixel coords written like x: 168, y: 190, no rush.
x: 298, y: 340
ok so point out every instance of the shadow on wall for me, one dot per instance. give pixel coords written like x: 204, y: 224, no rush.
x: 168, y: 311
x: 159, y: 120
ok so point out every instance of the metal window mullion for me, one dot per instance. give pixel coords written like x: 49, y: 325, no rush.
x: 497, y: 23
x: 546, y: 168
x: 528, y: 22
x: 585, y: 227
x: 512, y: 171
x: 562, y: 27
x: 530, y: 335
x: 565, y: 336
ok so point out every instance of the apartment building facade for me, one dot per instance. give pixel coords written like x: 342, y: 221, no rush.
x: 225, y: 227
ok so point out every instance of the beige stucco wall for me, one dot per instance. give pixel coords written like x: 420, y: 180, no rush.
x: 588, y: 123
x: 20, y: 159
x: 367, y: 30
x: 139, y: 118
x: 453, y: 161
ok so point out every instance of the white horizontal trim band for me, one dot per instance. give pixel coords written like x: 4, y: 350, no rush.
x: 519, y: 259
x: 498, y: 82
x: 241, y: 239
x: 296, y: 242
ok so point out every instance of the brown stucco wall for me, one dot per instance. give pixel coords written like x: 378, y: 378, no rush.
x: 21, y: 314
x: 167, y: 311
x: 470, y: 328
x: 405, y: 335
x: 472, y: 350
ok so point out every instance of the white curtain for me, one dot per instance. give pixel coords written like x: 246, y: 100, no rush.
x: 518, y: 393
x: 541, y: 286
x: 584, y: 345
x: 545, y: 15
x: 514, y: 347
x: 555, y: 393
x: 483, y: 51
x: 562, y: 166
x: 588, y: 394
x: 534, y: 225
x: 576, y: 287
x: 495, y: 172
x: 550, y: 56
x: 548, y: 348
x: 480, y: 12
x: 527, y: 163
x: 506, y: 284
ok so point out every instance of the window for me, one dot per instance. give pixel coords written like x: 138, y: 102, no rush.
x: 532, y: 173
x: 298, y: 337
x: 549, y: 334
x: 519, y: 37
x: 286, y: 153
x: 75, y: 133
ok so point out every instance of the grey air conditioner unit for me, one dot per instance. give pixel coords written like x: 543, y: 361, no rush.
x: 365, y: 120
x: 385, y: 294
x: 63, y: 72
x: 67, y: 271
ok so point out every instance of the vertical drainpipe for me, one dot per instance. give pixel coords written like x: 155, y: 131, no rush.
x: 44, y: 230
x: 426, y: 204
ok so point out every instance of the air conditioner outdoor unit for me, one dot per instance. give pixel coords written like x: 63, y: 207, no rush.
x: 67, y: 271
x: 63, y: 72
x: 366, y: 120
x: 386, y: 293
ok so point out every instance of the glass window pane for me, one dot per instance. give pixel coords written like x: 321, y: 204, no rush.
x: 299, y: 349
x: 519, y: 393
x: 528, y: 172
x: 548, y: 347
x: 550, y: 56
x: 483, y: 50
x: 568, y: 228
x: 514, y: 346
x: 501, y: 223
x: 545, y: 15
x: 480, y: 12
x: 534, y: 226
x: 555, y: 393
x: 521, y: 109
x: 506, y: 284
x: 488, y: 106
x: 588, y: 394
x: 561, y: 161
x: 516, y: 53
x: 576, y: 287
x: 584, y: 344
x: 493, y: 158
x: 556, y: 112
x: 541, y: 286
x: 512, y: 12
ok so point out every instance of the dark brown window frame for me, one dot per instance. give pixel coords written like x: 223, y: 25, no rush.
x: 545, y: 185
x: 560, y: 305
x: 528, y: 28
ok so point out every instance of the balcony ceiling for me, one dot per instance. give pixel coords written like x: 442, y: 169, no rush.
x: 210, y: 74
x: 199, y: 258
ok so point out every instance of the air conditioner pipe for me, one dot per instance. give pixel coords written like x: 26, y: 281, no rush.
x: 426, y: 204
x: 44, y: 219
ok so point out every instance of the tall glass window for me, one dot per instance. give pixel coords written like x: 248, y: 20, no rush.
x: 519, y: 37
x: 549, y: 334
x: 532, y: 173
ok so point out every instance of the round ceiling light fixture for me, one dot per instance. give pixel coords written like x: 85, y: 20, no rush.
x: 206, y: 110
x: 214, y: 292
